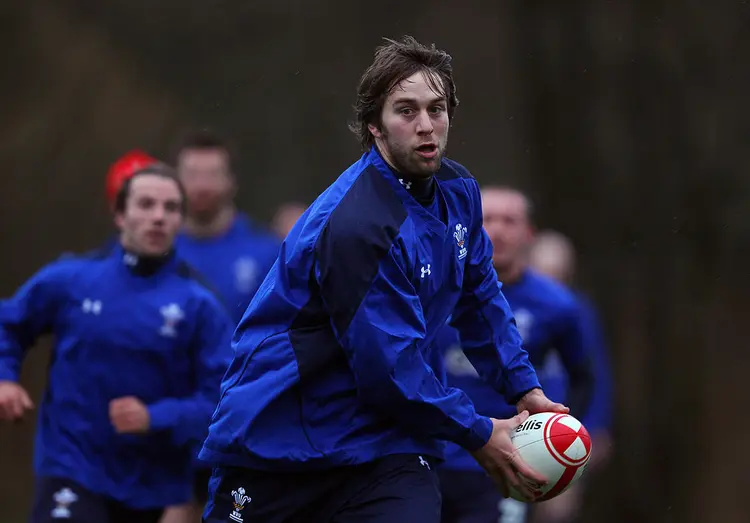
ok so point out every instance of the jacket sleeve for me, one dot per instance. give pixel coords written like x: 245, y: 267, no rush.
x: 188, y: 417
x: 28, y: 314
x: 489, y: 336
x: 572, y: 344
x: 378, y: 320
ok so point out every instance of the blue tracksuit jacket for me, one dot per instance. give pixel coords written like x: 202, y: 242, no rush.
x: 160, y: 337
x: 330, y: 364
x: 234, y: 263
x: 550, y: 320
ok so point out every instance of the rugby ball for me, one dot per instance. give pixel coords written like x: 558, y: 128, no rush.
x: 556, y: 445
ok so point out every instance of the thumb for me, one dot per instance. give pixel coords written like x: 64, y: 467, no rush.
x: 26, y: 400
x: 519, y: 418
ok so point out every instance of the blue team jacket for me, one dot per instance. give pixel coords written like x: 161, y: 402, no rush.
x: 330, y: 364
x: 550, y: 321
x: 163, y: 338
x: 234, y: 263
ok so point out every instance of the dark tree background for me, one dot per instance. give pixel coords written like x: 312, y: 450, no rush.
x: 626, y: 121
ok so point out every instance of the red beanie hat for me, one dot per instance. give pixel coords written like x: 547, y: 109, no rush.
x: 123, y: 169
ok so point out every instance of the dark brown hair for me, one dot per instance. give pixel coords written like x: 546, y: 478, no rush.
x: 204, y: 138
x: 157, y: 169
x: 394, y: 62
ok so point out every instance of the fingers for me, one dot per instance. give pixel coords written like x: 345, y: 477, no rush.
x: 26, y: 400
x: 14, y: 404
x: 519, y: 418
x: 559, y: 407
x: 520, y: 466
x: 525, y: 489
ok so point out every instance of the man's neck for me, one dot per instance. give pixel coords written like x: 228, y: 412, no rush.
x: 213, y: 227
x: 510, y: 274
x: 143, y: 264
x: 422, y: 188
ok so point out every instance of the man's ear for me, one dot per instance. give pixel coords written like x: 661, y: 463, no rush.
x: 374, y: 130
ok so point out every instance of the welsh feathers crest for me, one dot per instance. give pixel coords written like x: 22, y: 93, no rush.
x: 239, y: 504
x: 460, y: 236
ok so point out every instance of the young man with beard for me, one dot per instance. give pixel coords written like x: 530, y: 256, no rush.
x: 139, y: 349
x: 550, y: 322
x: 329, y: 411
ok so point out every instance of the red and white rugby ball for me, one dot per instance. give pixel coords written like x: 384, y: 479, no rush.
x: 555, y: 445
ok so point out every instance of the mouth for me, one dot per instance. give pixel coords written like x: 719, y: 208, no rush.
x: 156, y: 236
x: 427, y: 150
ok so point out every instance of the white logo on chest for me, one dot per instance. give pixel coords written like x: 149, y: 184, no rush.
x: 426, y: 271
x: 460, y: 236
x: 245, y: 274
x: 172, y: 315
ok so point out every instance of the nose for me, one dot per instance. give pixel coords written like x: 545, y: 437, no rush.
x: 159, y: 213
x: 424, y: 123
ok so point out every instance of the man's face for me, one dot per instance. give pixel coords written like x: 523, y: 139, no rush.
x: 152, y: 215
x: 506, y: 220
x: 208, y: 183
x: 414, y: 127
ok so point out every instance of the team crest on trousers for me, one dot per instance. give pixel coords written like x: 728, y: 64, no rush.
x: 238, y: 503
x: 460, y: 236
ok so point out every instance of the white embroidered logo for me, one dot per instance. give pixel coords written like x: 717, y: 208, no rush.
x: 460, y: 236
x: 239, y: 504
x: 426, y: 271
x: 245, y: 274
x: 424, y: 463
x: 407, y: 185
x: 64, y: 499
x: 90, y: 306
x: 172, y: 315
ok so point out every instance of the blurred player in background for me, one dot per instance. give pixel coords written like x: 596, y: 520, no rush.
x: 223, y: 244
x: 548, y: 318
x: 285, y: 217
x: 139, y: 349
x: 231, y: 252
x: 553, y: 254
x: 329, y: 411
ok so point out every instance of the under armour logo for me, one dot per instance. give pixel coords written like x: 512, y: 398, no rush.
x: 424, y: 463
x: 91, y: 306
x: 406, y: 184
x: 426, y: 271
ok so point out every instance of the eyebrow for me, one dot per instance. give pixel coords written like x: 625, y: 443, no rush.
x: 437, y: 99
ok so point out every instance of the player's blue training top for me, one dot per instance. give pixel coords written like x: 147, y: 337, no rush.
x: 234, y: 263
x: 549, y: 319
x: 123, y: 326
x: 330, y: 363
x: 556, y: 382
